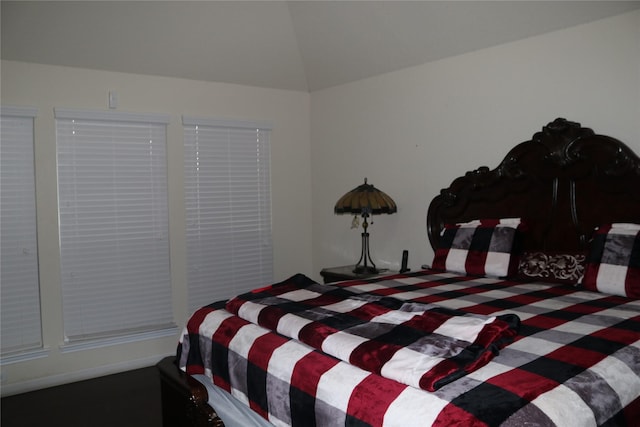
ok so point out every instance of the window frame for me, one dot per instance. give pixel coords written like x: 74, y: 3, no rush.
x: 157, y: 125
x: 242, y: 268
x: 28, y: 240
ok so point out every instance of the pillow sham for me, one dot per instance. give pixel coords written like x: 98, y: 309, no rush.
x: 561, y: 268
x: 613, y: 264
x: 484, y: 247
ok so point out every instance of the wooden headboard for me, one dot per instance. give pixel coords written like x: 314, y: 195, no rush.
x: 564, y: 182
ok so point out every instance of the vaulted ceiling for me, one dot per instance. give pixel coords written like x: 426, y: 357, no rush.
x: 297, y: 45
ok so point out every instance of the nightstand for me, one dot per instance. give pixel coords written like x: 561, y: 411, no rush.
x: 335, y: 274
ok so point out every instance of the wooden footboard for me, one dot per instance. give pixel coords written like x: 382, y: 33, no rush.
x: 184, y: 400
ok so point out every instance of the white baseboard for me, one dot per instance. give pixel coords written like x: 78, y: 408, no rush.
x: 55, y: 380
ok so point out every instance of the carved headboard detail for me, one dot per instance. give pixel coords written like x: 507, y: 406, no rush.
x: 565, y: 181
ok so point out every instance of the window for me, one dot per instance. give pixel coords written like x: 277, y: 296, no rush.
x: 21, y: 324
x: 228, y: 208
x: 114, y: 248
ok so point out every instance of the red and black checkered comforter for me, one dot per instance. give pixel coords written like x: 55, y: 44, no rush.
x: 422, y: 345
x: 574, y: 362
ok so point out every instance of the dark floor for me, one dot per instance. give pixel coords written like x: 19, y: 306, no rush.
x: 127, y: 399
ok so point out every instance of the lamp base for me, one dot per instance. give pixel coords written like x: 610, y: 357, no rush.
x: 365, y: 257
x: 365, y: 269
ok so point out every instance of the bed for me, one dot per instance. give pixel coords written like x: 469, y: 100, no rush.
x: 528, y: 315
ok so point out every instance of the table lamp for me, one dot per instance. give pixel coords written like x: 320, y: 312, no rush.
x: 365, y: 200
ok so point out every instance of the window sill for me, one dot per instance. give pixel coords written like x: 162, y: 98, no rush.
x: 22, y: 356
x: 79, y: 345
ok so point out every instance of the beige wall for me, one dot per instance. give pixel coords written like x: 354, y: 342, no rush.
x: 46, y: 87
x: 411, y: 132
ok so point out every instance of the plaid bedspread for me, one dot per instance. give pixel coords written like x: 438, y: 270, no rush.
x: 421, y: 345
x: 575, y: 362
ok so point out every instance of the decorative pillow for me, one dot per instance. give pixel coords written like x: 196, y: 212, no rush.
x: 552, y: 267
x: 613, y: 264
x: 483, y: 247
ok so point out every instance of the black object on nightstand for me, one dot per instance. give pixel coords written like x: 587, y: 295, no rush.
x: 336, y: 274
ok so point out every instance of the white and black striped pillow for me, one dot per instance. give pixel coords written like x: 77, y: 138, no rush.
x: 485, y: 247
x: 613, y: 263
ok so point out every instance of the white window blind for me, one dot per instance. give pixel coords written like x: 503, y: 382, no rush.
x: 21, y: 324
x: 228, y: 208
x: 114, y: 248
